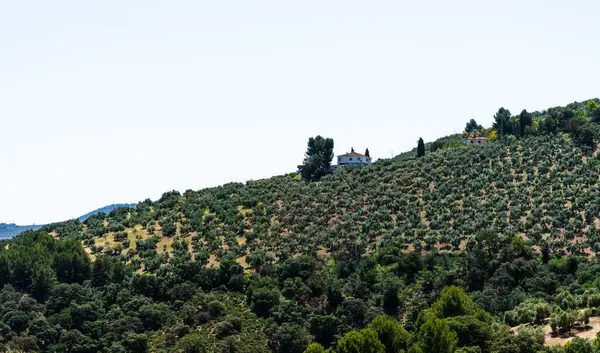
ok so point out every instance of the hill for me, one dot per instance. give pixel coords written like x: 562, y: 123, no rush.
x: 449, y: 252
x: 105, y: 209
x: 544, y: 188
x: 9, y: 230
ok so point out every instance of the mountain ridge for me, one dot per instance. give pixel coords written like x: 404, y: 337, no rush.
x: 9, y: 230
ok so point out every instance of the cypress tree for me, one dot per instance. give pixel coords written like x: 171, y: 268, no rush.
x: 420, y: 148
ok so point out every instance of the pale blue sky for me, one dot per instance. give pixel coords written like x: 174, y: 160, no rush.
x: 116, y: 101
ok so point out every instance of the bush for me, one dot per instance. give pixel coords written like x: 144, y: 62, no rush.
x: 224, y: 329
x: 215, y: 309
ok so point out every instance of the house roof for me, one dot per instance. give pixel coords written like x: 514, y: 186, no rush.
x: 352, y: 154
x: 476, y: 138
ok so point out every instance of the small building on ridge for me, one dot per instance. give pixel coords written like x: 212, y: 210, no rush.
x: 474, y: 140
x: 353, y: 159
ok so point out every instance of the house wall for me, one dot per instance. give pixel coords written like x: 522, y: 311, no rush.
x: 354, y: 160
x: 475, y: 142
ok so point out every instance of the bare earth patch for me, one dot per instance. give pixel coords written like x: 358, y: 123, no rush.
x: 241, y: 240
x: 588, y: 332
x: 165, y: 244
x: 89, y: 253
x: 213, y: 262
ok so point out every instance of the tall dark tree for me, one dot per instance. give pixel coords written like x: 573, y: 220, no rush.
x: 525, y: 119
x: 501, y: 121
x: 367, y: 153
x: 100, y: 271
x: 71, y: 263
x: 472, y: 126
x: 514, y: 126
x: 420, y: 147
x: 317, y: 159
x: 43, y: 281
x: 351, y: 149
x: 324, y: 328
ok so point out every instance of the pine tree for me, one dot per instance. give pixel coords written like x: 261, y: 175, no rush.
x: 317, y: 158
x: 501, y: 121
x: 525, y: 119
x: 472, y: 126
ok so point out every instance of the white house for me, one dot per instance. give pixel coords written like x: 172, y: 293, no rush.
x: 353, y: 159
x: 472, y: 140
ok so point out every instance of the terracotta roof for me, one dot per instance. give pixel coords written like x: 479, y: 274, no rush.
x: 475, y: 137
x: 352, y: 154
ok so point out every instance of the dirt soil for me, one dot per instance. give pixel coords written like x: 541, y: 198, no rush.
x: 589, y: 332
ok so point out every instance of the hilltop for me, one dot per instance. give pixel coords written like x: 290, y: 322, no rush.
x: 448, y: 252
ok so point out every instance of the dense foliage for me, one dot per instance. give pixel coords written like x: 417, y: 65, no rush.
x: 580, y: 119
x: 442, y: 253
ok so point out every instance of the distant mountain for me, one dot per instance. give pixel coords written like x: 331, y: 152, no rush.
x: 105, y: 209
x: 9, y: 230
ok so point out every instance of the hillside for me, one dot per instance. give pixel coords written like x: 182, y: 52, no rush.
x: 544, y: 189
x: 9, y: 230
x: 449, y: 252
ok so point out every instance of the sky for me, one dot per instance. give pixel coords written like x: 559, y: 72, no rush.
x: 106, y: 102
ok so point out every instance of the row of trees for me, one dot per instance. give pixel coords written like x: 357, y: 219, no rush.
x: 579, y: 119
